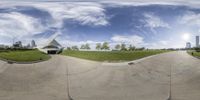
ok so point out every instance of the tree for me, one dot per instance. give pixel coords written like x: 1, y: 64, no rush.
x: 98, y: 46
x: 87, y: 46
x: 140, y: 49
x: 197, y: 49
x: 68, y: 48
x: 143, y: 48
x: 105, y: 46
x: 75, y: 48
x: 123, y: 47
x: 117, y: 47
x: 131, y: 48
x: 82, y: 46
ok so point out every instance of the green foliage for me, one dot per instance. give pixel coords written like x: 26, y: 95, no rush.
x: 82, y: 46
x: 140, y: 49
x: 112, y: 55
x: 75, y: 48
x: 85, y: 46
x: 105, y: 46
x: 68, y: 48
x: 194, y: 53
x: 117, y: 47
x: 131, y: 48
x: 197, y: 49
x: 98, y: 46
x: 24, y: 55
x: 123, y: 47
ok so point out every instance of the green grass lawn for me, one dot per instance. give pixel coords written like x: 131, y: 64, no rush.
x: 24, y: 56
x: 112, y: 55
x: 196, y: 54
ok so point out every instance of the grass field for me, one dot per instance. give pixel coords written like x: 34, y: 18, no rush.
x: 196, y: 54
x: 24, y: 56
x: 112, y: 56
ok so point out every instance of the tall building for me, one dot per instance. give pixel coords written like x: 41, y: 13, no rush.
x: 17, y: 44
x: 197, y: 41
x: 33, y: 44
x: 188, y: 45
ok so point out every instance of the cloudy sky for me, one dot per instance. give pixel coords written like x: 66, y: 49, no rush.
x: 150, y: 24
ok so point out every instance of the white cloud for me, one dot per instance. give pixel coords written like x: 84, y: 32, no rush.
x: 154, y: 21
x: 166, y: 44
x: 163, y: 42
x: 147, y: 2
x: 128, y: 40
x: 117, y: 39
x: 191, y: 3
x: 18, y: 25
x: 86, y: 13
x: 133, y: 39
x: 190, y: 18
x: 70, y: 43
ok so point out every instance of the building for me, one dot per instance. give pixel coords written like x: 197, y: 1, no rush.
x: 3, y: 46
x: 17, y: 44
x: 33, y: 44
x: 53, y: 47
x: 188, y: 45
x: 28, y: 46
x: 197, y: 41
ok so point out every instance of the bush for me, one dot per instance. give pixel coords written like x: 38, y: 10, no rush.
x: 197, y: 49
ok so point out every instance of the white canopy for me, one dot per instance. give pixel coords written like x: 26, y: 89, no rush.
x: 53, y: 44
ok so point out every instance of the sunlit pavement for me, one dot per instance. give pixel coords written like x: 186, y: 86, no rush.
x: 147, y: 79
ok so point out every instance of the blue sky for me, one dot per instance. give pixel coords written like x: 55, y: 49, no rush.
x: 150, y: 24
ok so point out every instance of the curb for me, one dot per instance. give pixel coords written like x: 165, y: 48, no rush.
x: 16, y: 62
x: 193, y: 55
x: 134, y: 61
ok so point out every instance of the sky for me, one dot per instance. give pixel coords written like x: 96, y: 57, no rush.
x: 151, y: 24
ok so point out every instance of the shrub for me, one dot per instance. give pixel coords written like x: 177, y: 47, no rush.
x: 197, y: 49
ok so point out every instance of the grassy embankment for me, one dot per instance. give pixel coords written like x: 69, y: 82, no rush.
x: 194, y: 53
x: 23, y: 55
x: 112, y: 55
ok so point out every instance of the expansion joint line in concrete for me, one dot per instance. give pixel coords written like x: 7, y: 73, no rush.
x: 68, y: 83
x: 170, y: 84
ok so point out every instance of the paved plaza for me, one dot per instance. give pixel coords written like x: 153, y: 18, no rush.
x: 61, y: 76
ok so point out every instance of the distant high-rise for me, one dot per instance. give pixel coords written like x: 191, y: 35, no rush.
x: 17, y: 44
x: 33, y: 44
x: 188, y: 45
x: 197, y: 41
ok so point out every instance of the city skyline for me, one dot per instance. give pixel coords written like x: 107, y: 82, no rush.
x: 143, y: 24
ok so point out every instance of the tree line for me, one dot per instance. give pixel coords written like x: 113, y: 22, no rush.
x: 105, y: 46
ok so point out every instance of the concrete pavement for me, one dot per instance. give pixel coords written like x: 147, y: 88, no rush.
x: 147, y: 79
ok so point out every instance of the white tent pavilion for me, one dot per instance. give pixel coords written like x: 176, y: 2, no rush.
x: 53, y: 47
